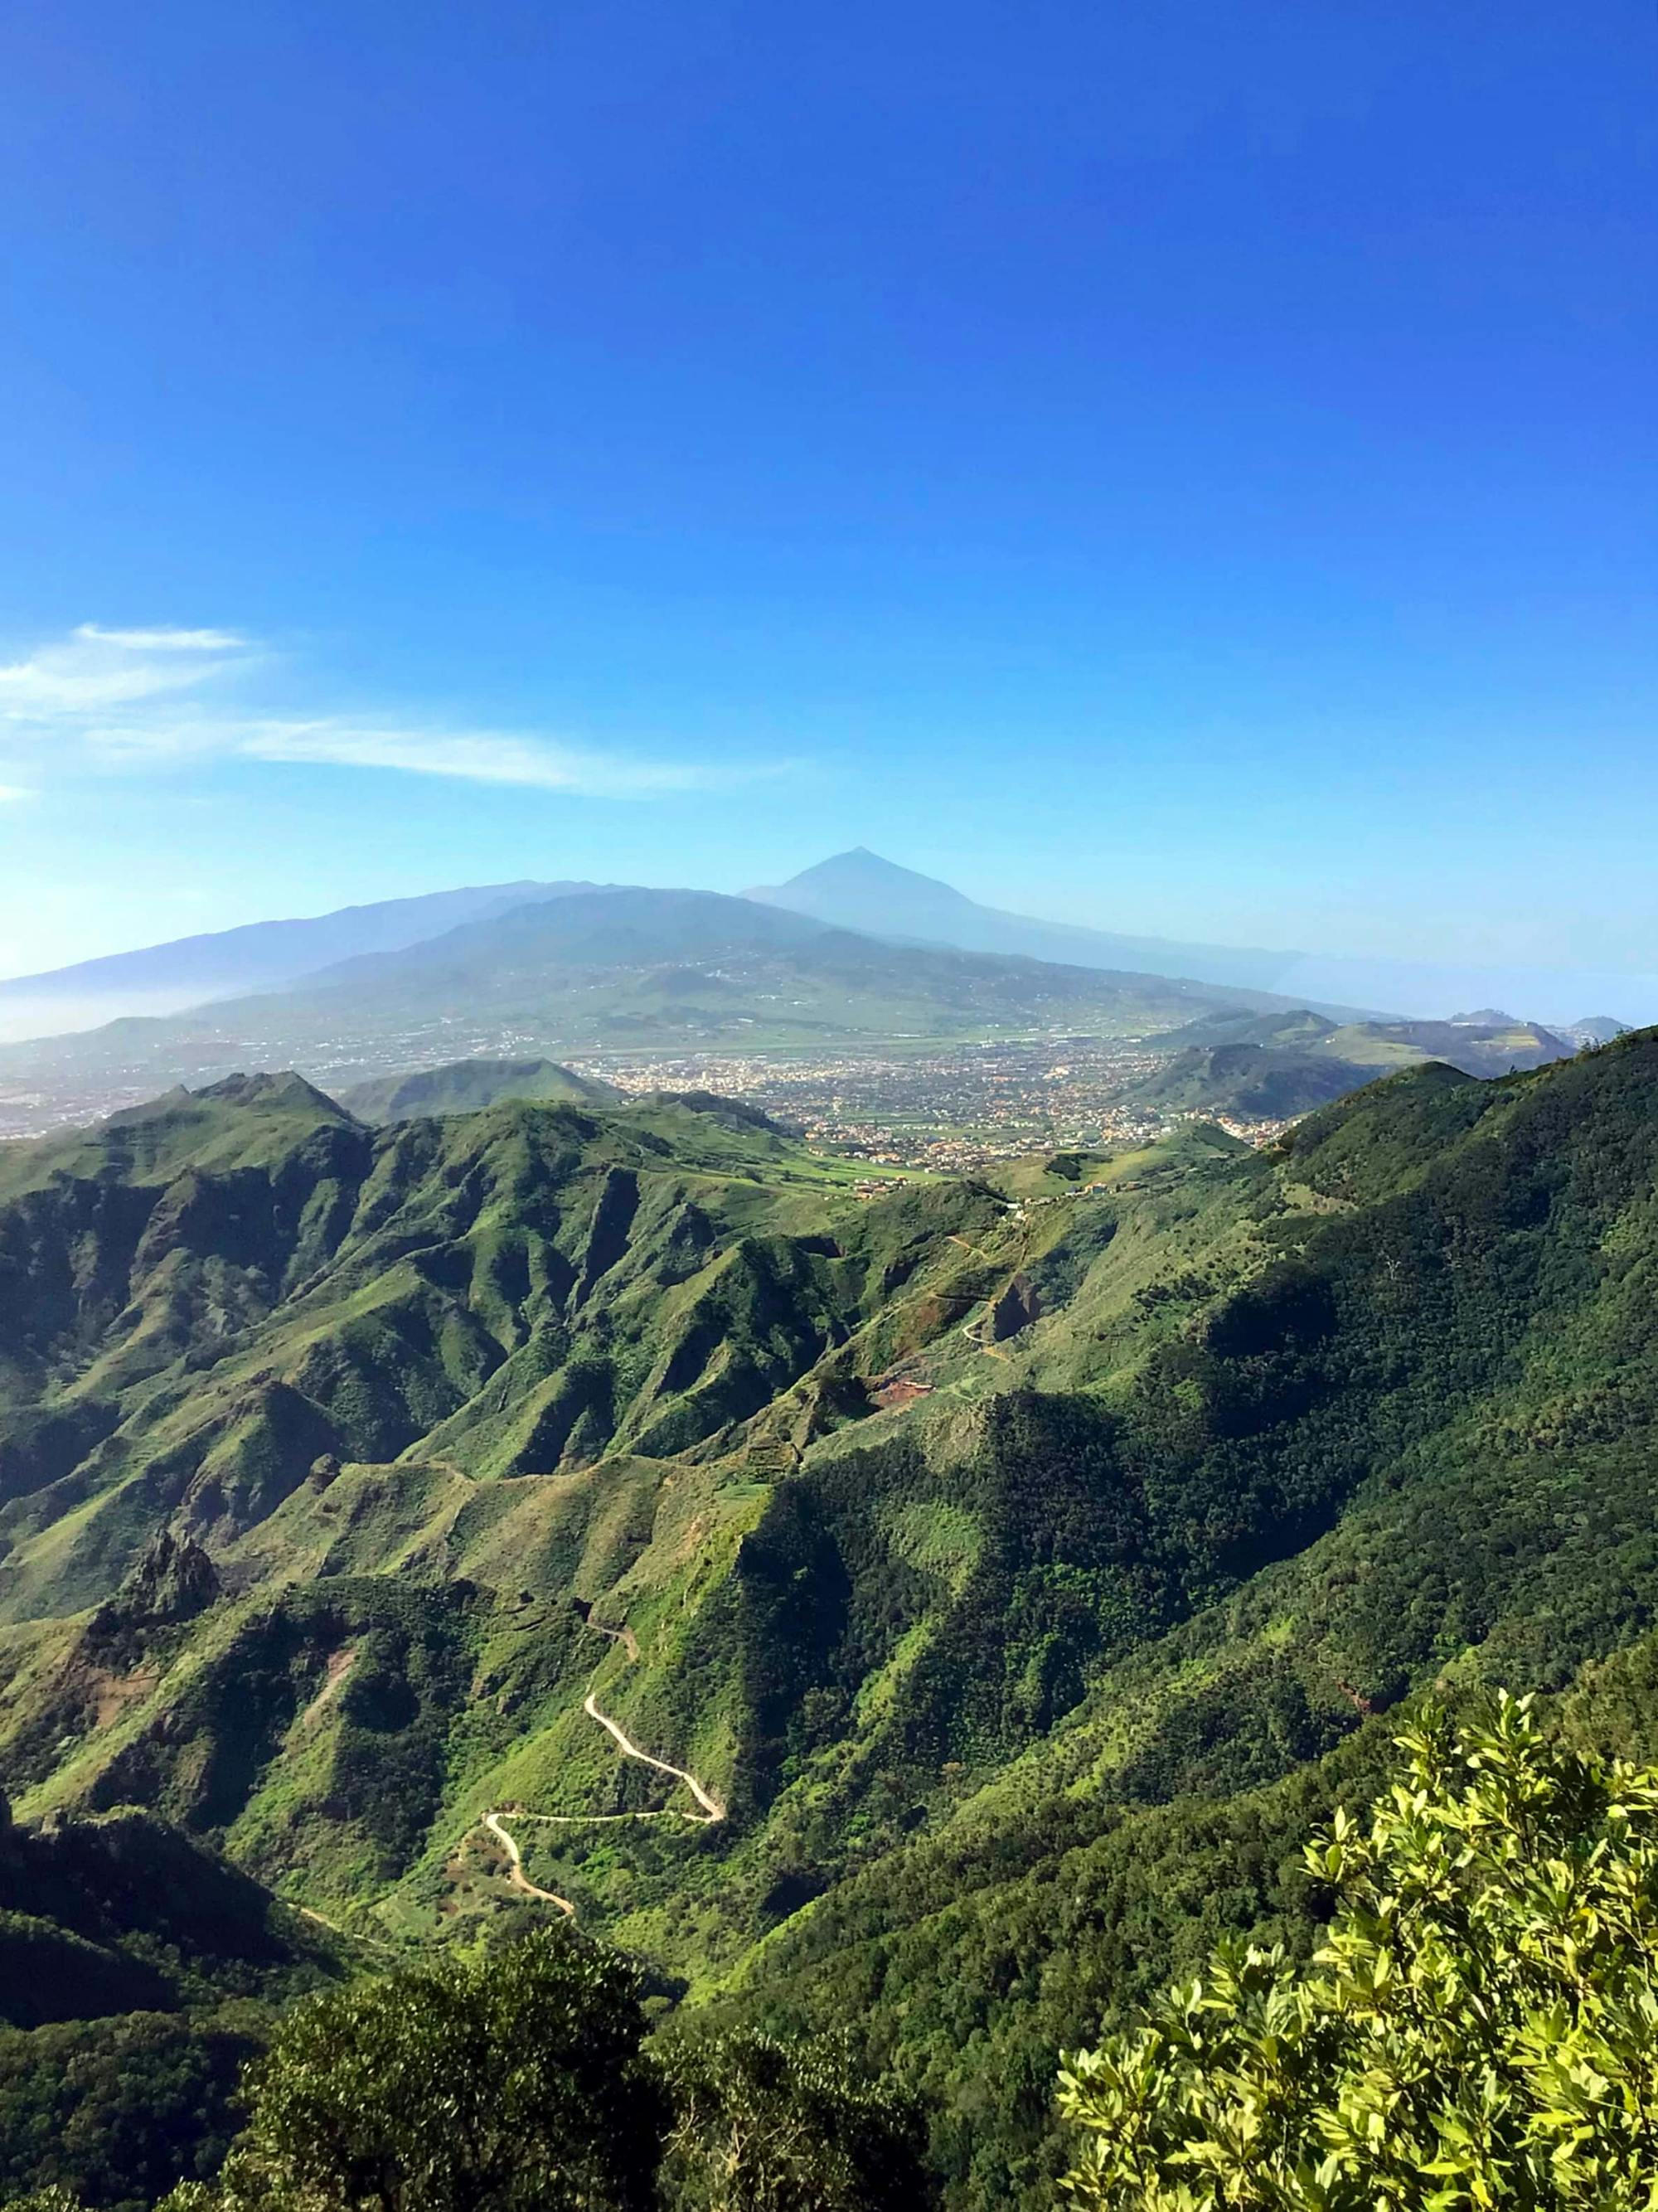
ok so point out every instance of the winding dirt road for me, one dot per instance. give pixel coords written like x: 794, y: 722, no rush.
x: 713, y: 1810
x: 709, y: 1809
x: 515, y: 1873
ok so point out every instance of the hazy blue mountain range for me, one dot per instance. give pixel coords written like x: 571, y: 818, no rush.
x: 160, y: 979
x: 607, y: 971
x: 861, y: 891
x: 857, y: 890
x: 855, y: 955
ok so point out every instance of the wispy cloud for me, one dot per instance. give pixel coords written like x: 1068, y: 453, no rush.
x: 13, y: 790
x: 164, y: 641
x: 155, y: 698
x: 93, y: 669
x: 477, y: 756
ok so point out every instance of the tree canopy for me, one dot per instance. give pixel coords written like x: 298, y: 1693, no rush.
x: 518, y: 2079
x: 761, y: 2126
x: 510, y: 2082
x: 1479, y: 2028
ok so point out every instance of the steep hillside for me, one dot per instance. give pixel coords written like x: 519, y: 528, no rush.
x: 992, y: 1576
x: 204, y: 1297
x: 466, y: 1085
x: 139, y: 1973
x: 1255, y: 1082
x: 117, y: 1913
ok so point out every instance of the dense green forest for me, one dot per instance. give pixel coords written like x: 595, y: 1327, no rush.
x: 1021, y: 1569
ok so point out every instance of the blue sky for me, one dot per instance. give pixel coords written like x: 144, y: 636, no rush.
x: 1187, y: 468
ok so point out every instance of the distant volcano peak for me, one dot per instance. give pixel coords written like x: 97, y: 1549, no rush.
x: 857, y: 875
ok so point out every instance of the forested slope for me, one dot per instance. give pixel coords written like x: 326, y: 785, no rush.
x: 1024, y: 1564
x: 138, y: 1972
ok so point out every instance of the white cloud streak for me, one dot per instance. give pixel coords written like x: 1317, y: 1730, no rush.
x: 96, y: 669
x: 150, y: 698
x: 164, y: 641
x: 475, y: 757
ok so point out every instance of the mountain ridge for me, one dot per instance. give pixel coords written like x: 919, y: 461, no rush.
x: 854, y: 883
x: 188, y: 971
x: 482, y: 1417
x: 860, y: 889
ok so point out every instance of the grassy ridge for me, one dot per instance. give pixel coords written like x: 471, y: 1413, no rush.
x: 1024, y: 1565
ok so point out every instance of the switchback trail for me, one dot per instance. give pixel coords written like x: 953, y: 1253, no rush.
x: 709, y: 1807
x: 970, y: 1330
x: 515, y: 1873
x: 713, y: 1810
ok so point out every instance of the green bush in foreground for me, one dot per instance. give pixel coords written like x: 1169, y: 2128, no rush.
x: 1480, y: 2028
x: 513, y: 2082
x: 517, y: 2082
x: 759, y: 2126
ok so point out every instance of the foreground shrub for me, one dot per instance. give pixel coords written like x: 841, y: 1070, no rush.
x: 1479, y: 2029
x: 517, y: 2083
x: 759, y: 2126
x: 510, y: 2083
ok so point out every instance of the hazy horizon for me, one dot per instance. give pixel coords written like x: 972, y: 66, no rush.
x: 1436, y: 990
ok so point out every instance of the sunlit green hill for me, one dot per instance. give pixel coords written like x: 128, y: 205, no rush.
x: 1253, y: 1082
x: 1014, y: 1565
x: 465, y: 1086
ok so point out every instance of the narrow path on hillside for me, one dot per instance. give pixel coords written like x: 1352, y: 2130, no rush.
x: 710, y: 1809
x: 977, y: 1250
x: 339, y: 1665
x: 970, y: 1328
x: 970, y: 1331
x: 515, y: 1873
x: 713, y: 1810
x: 351, y: 1935
x: 624, y: 1636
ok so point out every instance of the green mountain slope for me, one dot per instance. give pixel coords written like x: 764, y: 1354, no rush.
x: 1255, y: 1082
x: 466, y: 1085
x: 1273, y: 1066
x: 1297, y: 1029
x: 1012, y: 1566
x: 139, y: 1973
x: 1478, y: 1049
